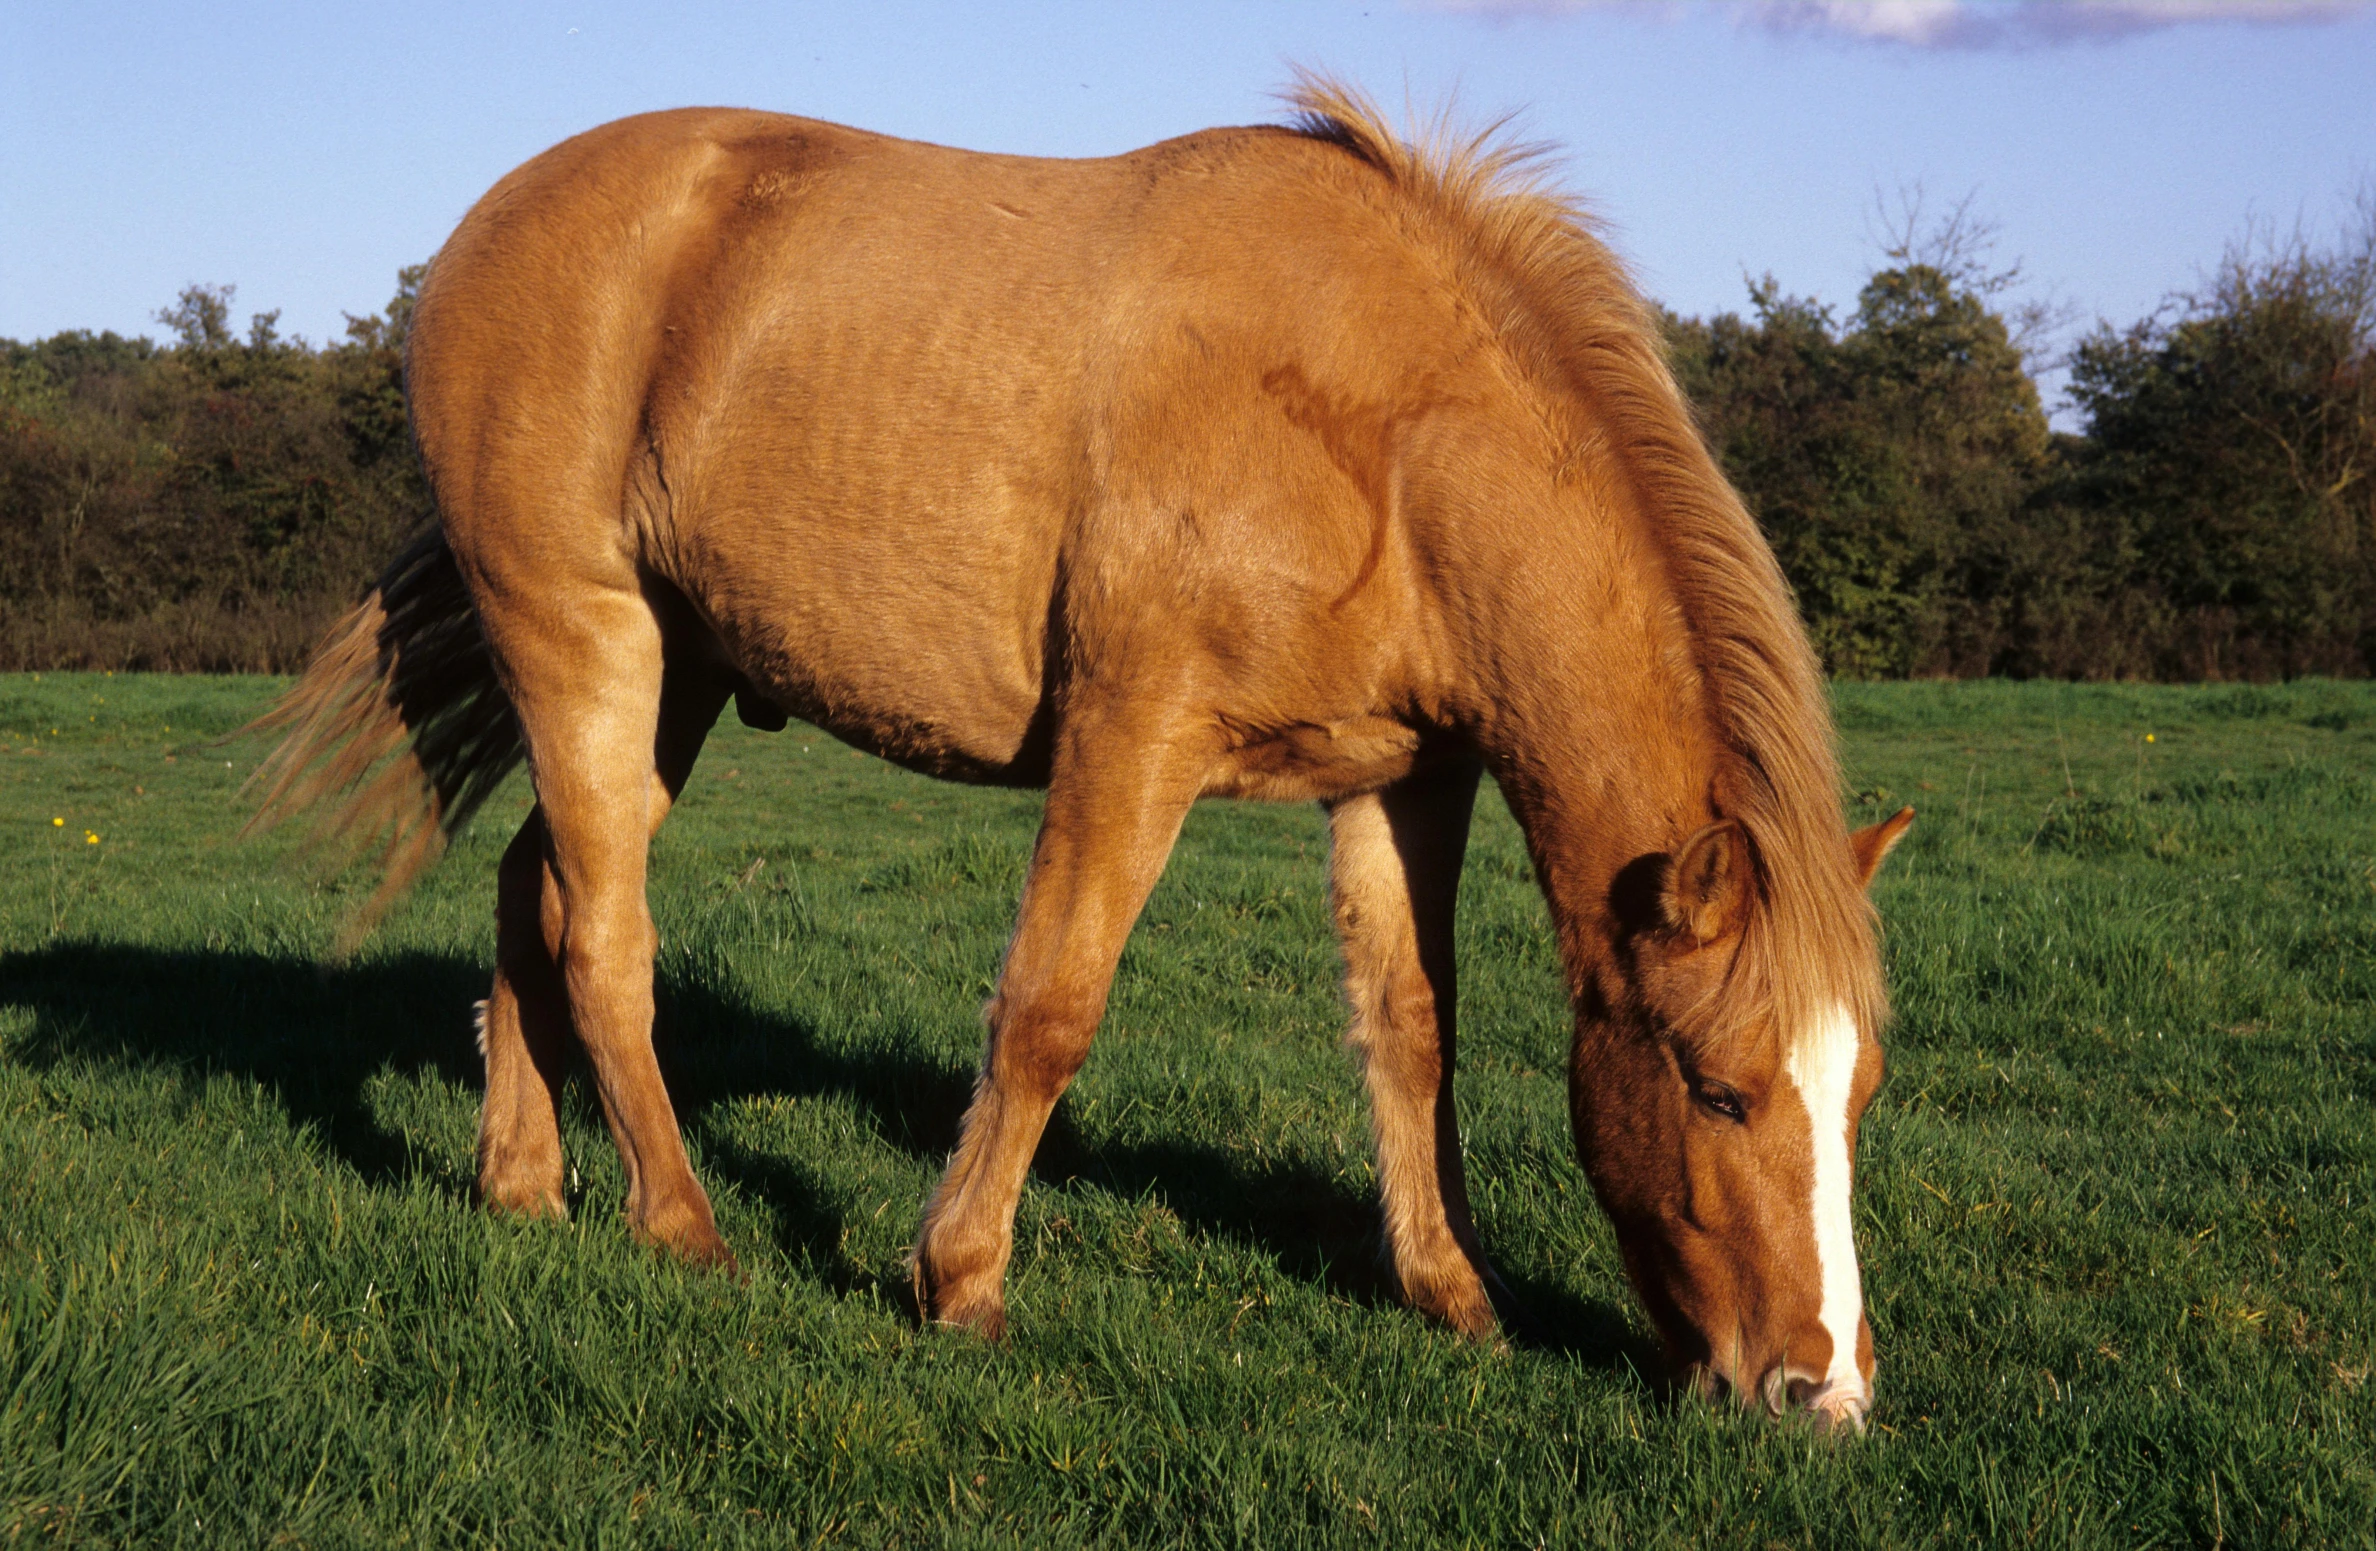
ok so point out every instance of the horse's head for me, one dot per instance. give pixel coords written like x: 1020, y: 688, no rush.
x: 1720, y: 1142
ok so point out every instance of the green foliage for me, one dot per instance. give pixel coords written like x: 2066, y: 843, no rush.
x: 1885, y: 459
x: 2216, y: 520
x: 201, y: 318
x: 204, y: 506
x: 2115, y: 1196
x: 2235, y: 445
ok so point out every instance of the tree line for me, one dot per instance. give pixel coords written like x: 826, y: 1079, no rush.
x: 2213, y: 516
x: 205, y: 505
x: 211, y: 503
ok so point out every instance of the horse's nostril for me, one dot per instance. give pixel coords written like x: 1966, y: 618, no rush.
x: 1839, y: 1412
x: 1832, y: 1406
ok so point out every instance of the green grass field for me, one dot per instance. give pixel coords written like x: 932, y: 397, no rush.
x: 2116, y: 1199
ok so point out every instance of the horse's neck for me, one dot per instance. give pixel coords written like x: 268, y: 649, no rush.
x: 1583, y: 671
x: 1624, y: 769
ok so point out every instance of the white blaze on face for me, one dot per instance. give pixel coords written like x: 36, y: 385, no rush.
x: 1823, y: 1066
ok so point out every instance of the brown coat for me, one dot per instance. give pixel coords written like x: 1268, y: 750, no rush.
x: 1284, y: 463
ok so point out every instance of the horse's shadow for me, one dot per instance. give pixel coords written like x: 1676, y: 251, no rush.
x: 314, y: 1036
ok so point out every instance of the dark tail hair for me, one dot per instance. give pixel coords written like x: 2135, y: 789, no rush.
x: 405, y: 674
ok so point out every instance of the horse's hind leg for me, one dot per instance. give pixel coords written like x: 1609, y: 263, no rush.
x: 524, y: 1031
x: 1394, y: 869
x: 1123, y: 781
x: 524, y: 1036
x: 608, y: 751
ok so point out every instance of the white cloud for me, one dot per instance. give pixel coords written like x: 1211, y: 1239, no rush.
x: 1978, y: 24
x: 1953, y: 24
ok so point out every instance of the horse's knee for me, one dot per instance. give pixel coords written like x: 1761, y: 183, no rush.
x: 1396, y: 1031
x: 1038, y: 1045
x: 608, y: 954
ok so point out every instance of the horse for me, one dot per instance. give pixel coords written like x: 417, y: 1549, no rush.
x: 1295, y: 462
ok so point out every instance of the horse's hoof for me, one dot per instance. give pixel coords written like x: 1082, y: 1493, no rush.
x: 687, y: 1232
x: 988, y: 1322
x: 1474, y: 1322
x: 1460, y: 1303
x: 984, y: 1316
x: 511, y: 1199
x: 713, y: 1256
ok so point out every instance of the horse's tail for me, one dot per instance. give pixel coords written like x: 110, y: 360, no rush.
x: 406, y: 673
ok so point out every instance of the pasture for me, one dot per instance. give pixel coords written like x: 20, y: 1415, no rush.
x: 2117, y: 1200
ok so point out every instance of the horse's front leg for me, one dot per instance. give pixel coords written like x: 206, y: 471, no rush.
x: 1123, y: 780
x: 1394, y: 871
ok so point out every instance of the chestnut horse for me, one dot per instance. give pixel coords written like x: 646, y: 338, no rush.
x: 1292, y: 463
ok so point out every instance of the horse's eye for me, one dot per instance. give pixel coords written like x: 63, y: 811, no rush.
x: 1723, y: 1100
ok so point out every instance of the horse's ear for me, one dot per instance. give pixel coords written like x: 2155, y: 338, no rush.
x: 1707, y: 888
x: 1874, y: 842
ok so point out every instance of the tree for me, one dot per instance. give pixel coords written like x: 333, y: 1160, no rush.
x: 208, y: 505
x: 2235, y: 437
x: 201, y: 316
x: 1886, y: 460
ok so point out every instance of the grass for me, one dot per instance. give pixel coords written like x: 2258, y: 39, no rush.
x: 2115, y: 1198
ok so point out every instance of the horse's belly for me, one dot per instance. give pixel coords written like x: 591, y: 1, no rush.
x: 933, y: 667
x: 923, y: 722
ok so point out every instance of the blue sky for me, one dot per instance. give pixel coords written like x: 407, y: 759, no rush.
x: 304, y: 152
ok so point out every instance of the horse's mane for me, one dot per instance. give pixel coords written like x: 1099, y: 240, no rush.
x: 1565, y: 307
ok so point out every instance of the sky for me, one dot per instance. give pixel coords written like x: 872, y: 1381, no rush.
x: 305, y: 152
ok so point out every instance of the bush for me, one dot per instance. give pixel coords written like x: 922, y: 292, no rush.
x: 2216, y: 520
x: 210, y: 505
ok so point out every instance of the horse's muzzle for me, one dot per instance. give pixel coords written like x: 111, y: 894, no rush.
x: 1832, y: 1406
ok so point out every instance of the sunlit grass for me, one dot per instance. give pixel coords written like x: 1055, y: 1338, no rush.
x: 2114, y: 1198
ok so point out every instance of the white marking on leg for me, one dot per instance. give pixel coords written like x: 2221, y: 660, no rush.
x: 478, y: 1025
x: 1824, y: 1068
